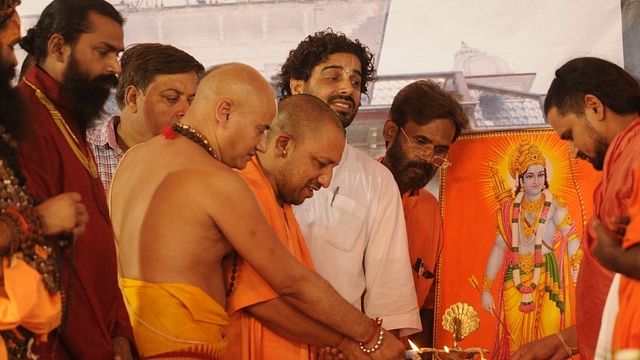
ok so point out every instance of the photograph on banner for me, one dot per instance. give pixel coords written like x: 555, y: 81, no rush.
x: 515, y: 208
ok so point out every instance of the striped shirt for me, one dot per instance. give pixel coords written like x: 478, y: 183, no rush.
x: 104, y: 145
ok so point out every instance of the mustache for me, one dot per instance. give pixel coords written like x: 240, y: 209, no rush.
x: 421, y: 165
x: 107, y: 80
x: 342, y: 97
x: 314, y: 185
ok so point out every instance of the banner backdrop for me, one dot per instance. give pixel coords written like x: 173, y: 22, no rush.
x: 532, y: 294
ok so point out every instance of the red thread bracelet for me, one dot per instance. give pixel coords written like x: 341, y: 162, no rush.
x: 373, y: 334
x: 377, y: 322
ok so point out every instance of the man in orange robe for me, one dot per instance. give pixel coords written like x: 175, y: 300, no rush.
x: 593, y: 104
x: 623, y: 258
x: 304, y: 143
x: 423, y: 122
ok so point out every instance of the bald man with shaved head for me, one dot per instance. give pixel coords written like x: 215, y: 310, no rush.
x: 178, y: 209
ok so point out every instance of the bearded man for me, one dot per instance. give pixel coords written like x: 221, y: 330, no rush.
x: 423, y: 122
x: 594, y: 105
x: 75, y: 45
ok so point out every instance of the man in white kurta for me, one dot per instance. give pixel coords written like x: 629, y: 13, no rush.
x: 358, y: 240
x: 355, y: 229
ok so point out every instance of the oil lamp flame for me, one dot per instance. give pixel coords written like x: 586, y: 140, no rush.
x: 413, y: 346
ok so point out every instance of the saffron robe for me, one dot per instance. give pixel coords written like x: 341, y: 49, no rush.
x: 26, y: 302
x: 626, y: 333
x: 610, y: 198
x: 424, y: 232
x: 175, y: 320
x: 96, y: 311
x: 248, y: 338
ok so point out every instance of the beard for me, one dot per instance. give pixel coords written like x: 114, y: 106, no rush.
x: 12, y: 109
x: 600, y: 147
x: 87, y: 95
x: 404, y: 170
x: 346, y: 118
x: 287, y: 178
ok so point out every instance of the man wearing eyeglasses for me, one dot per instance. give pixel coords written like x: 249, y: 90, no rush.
x: 423, y: 122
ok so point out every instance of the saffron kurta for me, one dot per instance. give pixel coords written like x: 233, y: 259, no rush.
x: 248, y: 338
x: 626, y: 333
x: 26, y: 301
x: 611, y: 198
x: 96, y: 312
x: 424, y: 232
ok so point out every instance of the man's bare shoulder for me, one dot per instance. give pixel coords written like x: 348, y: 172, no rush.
x: 162, y: 163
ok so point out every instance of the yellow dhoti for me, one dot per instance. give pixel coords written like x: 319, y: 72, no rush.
x: 544, y: 320
x: 175, y: 320
x: 519, y: 322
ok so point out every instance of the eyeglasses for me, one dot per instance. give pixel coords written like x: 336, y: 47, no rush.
x: 439, y: 161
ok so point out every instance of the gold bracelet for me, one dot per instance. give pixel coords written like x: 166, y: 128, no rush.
x: 576, y: 259
x: 567, y: 348
x: 486, y: 283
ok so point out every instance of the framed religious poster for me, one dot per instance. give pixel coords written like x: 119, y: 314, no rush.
x: 515, y: 207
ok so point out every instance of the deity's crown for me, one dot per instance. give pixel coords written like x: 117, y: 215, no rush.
x: 524, y: 156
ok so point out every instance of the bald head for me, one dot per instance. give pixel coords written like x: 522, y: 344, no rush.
x: 233, y: 107
x: 304, y: 144
x: 240, y: 83
x: 305, y: 115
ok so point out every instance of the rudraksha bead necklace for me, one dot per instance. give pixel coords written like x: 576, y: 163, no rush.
x: 195, y: 136
x: 25, y: 231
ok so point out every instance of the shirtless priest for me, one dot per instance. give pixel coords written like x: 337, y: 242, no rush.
x: 178, y: 208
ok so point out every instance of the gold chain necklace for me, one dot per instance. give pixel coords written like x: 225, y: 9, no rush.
x: 531, y: 207
x: 86, y: 160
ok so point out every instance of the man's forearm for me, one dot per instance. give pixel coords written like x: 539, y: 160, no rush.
x: 283, y: 319
x: 570, y: 338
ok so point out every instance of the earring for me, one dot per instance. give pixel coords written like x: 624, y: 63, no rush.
x: 521, y: 188
x: 284, y: 151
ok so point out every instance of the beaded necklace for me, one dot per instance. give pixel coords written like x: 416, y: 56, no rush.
x: 195, y: 136
x: 234, y: 270
x: 25, y: 231
x: 527, y: 305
